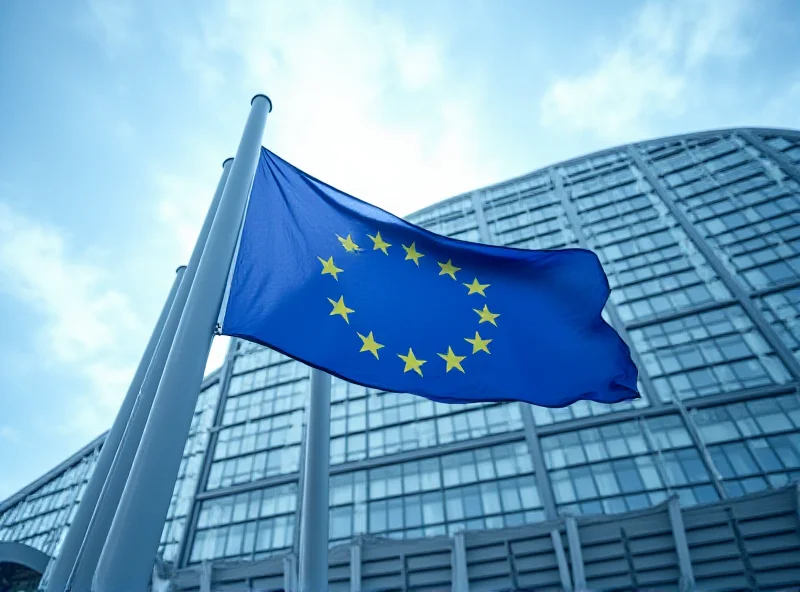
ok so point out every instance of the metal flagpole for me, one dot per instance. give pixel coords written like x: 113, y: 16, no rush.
x: 314, y: 517
x: 57, y: 573
x: 127, y: 558
x: 80, y: 577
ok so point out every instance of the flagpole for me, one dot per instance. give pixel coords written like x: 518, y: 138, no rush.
x: 127, y: 558
x: 314, y: 516
x: 80, y: 576
x: 57, y: 573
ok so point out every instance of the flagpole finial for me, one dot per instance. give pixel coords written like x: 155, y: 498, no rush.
x: 180, y: 268
x: 266, y: 97
x: 226, y: 161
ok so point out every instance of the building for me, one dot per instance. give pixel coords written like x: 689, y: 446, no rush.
x: 694, y: 483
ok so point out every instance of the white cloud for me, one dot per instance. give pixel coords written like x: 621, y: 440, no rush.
x: 219, y: 348
x: 653, y: 72
x: 182, y: 206
x: 419, y: 61
x: 614, y: 100
x: 86, y: 322
x: 359, y: 101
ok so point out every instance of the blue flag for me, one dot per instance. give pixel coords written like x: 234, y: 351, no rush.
x: 357, y: 292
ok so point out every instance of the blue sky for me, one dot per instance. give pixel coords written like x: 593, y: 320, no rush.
x: 115, y: 116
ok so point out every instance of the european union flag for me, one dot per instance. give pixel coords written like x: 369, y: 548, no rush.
x: 357, y: 292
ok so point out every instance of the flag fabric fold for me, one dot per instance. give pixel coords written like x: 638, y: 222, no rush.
x: 364, y: 295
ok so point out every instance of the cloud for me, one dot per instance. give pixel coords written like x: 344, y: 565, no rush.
x: 359, y: 101
x: 613, y: 100
x: 653, y: 73
x: 182, y: 206
x: 85, y: 320
x: 219, y: 349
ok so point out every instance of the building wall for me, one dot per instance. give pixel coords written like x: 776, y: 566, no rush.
x: 744, y: 543
x: 700, y: 238
x: 691, y: 231
x: 40, y: 519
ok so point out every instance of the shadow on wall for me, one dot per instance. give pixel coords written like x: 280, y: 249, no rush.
x: 18, y: 578
x: 21, y: 567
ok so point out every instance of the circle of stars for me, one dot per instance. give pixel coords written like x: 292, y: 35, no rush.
x: 369, y: 343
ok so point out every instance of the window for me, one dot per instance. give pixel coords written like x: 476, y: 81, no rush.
x: 782, y: 310
x: 246, y: 525
x: 754, y: 444
x: 747, y: 213
x: 733, y: 353
x: 432, y: 496
x: 625, y: 466
x: 395, y: 423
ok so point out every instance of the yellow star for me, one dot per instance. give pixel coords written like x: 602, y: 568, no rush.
x: 348, y: 244
x: 453, y: 361
x: 479, y: 344
x: 412, y: 363
x: 379, y: 243
x: 449, y: 269
x: 370, y: 344
x: 476, y: 287
x: 329, y: 267
x: 340, y: 309
x: 412, y: 253
x: 486, y: 316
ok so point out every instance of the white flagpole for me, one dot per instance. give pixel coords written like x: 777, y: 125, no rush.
x: 57, y: 573
x: 130, y: 549
x: 80, y: 578
x: 314, y: 517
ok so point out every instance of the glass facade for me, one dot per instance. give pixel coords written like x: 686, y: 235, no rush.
x: 42, y: 517
x: 700, y: 238
x: 489, y: 487
x: 189, y: 471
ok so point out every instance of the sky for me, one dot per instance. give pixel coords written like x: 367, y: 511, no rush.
x: 116, y: 115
